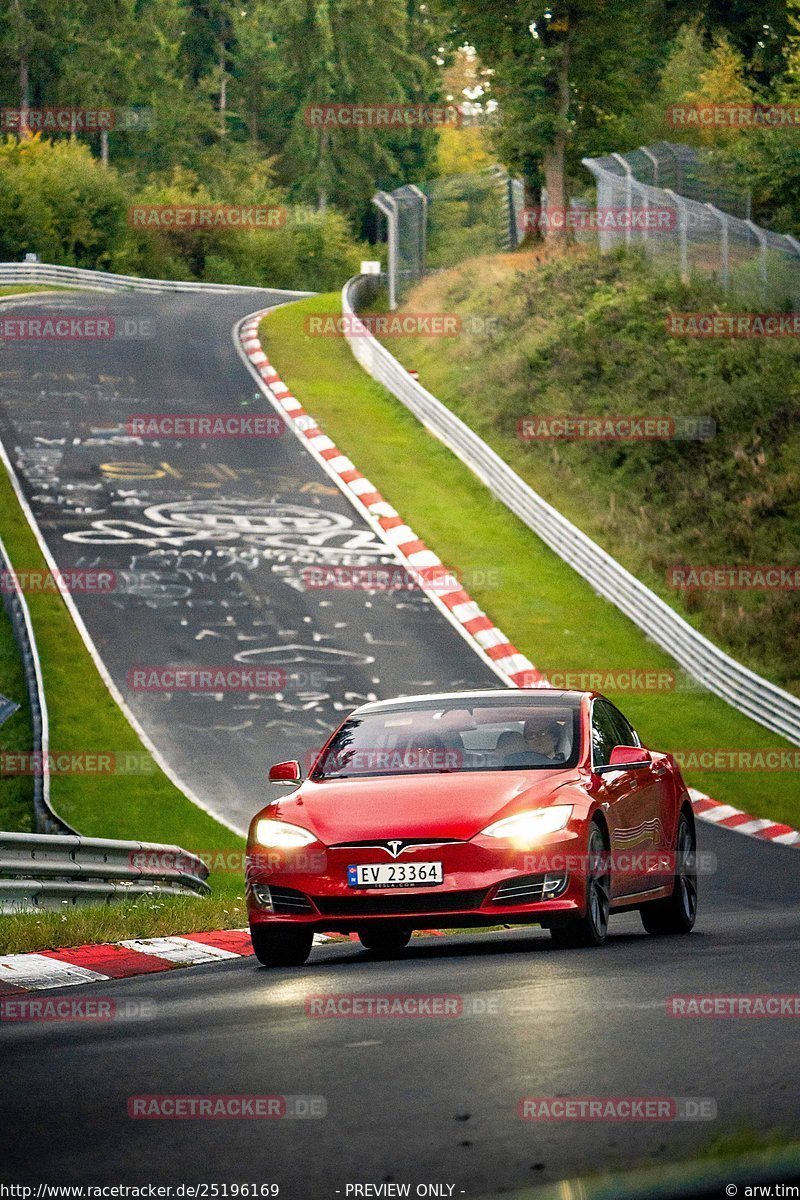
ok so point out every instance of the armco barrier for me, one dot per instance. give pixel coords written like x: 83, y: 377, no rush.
x: 746, y: 691
x: 39, y: 871
x: 46, y: 818
x: 78, y: 277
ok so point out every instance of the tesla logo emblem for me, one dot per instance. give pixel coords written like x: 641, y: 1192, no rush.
x: 395, y: 847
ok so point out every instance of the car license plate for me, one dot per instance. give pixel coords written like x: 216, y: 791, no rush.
x: 388, y: 875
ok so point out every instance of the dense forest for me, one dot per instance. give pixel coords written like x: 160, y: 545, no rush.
x: 211, y: 102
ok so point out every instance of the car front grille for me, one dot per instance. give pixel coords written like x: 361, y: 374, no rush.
x: 530, y: 889
x: 286, y: 900
x: 378, y: 906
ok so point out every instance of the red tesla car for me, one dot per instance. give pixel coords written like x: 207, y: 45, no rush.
x: 477, y: 808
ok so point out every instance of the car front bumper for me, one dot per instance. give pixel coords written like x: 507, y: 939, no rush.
x: 484, y: 884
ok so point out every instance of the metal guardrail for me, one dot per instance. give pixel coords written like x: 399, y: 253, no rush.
x: 39, y: 871
x: 46, y: 818
x: 742, y: 688
x: 44, y: 273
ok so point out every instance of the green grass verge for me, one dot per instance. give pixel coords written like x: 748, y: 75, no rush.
x: 84, y: 717
x: 23, y: 290
x: 16, y: 791
x: 540, y: 603
x: 147, y: 916
x: 584, y: 335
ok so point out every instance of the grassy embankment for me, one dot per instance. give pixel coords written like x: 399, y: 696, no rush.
x: 539, y: 602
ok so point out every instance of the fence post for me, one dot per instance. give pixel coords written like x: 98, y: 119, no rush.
x: 388, y: 206
x: 680, y: 204
x: 654, y: 160
x: 513, y: 232
x: 628, y: 193
x: 423, y: 227
x: 723, y: 246
x: 764, y: 265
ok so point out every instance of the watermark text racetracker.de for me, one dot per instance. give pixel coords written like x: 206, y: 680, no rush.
x: 733, y: 325
x: 385, y: 116
x: 78, y: 580
x: 733, y: 115
x: 774, y: 577
x: 65, y: 119
x: 719, y: 759
x: 333, y: 1005
x: 216, y: 1107
x: 221, y: 678
x: 53, y: 327
x: 754, y: 1006
x: 391, y: 577
x: 205, y: 425
x: 74, y: 1008
x: 257, y: 217
x: 617, y: 1108
x: 401, y: 324
x: 597, y: 220
x: 654, y: 427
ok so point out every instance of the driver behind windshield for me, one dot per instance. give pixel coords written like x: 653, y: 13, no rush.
x: 537, y: 746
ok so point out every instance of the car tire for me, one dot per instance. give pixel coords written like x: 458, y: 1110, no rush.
x: 384, y: 943
x: 275, y: 947
x: 592, y: 928
x: 677, y: 913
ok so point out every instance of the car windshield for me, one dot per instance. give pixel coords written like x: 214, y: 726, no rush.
x: 459, y: 736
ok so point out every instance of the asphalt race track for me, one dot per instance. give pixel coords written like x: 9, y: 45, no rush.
x: 210, y: 542
x: 426, y: 1099
x: 408, y: 1100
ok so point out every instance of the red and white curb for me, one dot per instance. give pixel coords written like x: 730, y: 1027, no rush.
x: 20, y: 973
x: 117, y: 960
x: 479, y: 629
x: 728, y: 817
x: 439, y: 585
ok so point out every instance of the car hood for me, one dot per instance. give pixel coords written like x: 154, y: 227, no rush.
x: 457, y: 805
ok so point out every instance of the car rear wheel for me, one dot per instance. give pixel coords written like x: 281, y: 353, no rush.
x: 275, y: 947
x: 384, y: 943
x: 677, y: 913
x: 592, y: 928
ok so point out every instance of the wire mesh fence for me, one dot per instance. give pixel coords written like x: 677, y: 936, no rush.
x: 689, y: 231
x: 440, y: 223
x: 666, y: 199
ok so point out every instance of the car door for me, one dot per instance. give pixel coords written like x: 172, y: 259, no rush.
x: 632, y: 802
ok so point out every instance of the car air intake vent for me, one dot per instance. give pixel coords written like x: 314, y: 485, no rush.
x: 378, y: 906
x: 530, y: 889
x: 286, y: 900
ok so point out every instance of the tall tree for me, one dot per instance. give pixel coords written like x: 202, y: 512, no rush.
x: 346, y: 51
x: 563, y: 72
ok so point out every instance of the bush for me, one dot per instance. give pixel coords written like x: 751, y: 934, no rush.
x: 59, y: 201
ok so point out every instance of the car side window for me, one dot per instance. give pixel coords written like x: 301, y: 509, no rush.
x: 604, y: 734
x: 624, y: 731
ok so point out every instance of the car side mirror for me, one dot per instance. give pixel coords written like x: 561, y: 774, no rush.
x: 626, y: 758
x: 285, y: 772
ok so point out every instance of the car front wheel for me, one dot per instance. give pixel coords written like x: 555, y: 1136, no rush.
x: 276, y: 947
x: 592, y: 928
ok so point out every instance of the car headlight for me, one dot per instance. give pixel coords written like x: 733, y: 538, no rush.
x: 527, y: 827
x: 281, y: 835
